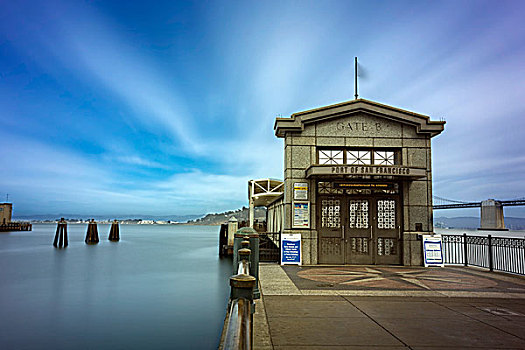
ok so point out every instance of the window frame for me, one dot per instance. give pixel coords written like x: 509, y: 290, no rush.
x: 342, y: 151
x: 372, y: 150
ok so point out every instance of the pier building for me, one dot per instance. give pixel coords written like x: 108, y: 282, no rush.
x: 357, y: 183
x: 6, y: 211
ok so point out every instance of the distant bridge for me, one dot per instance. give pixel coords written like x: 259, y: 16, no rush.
x: 445, y: 203
x: 491, y: 209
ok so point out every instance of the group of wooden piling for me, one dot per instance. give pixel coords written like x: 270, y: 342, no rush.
x: 91, y: 234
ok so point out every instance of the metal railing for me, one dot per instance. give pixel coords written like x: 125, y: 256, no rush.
x: 493, y: 253
x: 240, y: 322
x: 239, y: 328
x: 269, y: 246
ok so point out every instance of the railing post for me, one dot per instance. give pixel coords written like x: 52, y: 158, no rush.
x: 242, y: 286
x: 254, y: 262
x: 238, y: 238
x: 245, y: 244
x: 239, y: 332
x: 465, y: 249
x: 491, y: 260
x: 247, y: 233
x: 244, y: 257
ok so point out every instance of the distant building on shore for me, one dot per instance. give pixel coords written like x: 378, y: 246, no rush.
x: 6, y: 212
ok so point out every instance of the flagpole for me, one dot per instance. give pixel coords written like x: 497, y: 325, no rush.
x: 356, y: 95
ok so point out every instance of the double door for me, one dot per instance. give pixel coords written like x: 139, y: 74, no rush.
x: 359, y: 229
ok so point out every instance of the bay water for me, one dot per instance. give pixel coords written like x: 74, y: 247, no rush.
x: 484, y: 233
x: 160, y: 287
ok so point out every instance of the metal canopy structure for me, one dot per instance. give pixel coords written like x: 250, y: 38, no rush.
x: 262, y: 192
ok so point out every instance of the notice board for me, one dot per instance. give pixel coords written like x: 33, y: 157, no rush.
x: 300, y: 191
x: 291, y: 249
x: 301, y: 214
x: 433, y: 250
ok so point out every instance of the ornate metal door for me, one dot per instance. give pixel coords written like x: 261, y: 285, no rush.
x: 387, y: 230
x: 330, y: 229
x: 358, y: 231
x: 372, y: 230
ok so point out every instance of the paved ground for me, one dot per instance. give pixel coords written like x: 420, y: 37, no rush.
x: 388, y: 308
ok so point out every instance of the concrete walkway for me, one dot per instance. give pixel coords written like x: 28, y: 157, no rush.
x: 357, y: 307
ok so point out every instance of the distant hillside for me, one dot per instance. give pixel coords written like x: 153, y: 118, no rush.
x: 220, y: 218
x: 473, y: 222
x: 209, y: 219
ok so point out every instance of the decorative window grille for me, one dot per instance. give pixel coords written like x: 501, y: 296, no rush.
x: 386, y: 214
x: 330, y: 157
x: 324, y: 187
x: 359, y: 245
x: 328, y: 188
x: 386, y: 246
x: 383, y: 158
x: 358, y: 213
x: 358, y: 192
x: 331, y: 213
x: 354, y: 157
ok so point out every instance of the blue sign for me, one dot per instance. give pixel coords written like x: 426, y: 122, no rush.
x: 291, y: 249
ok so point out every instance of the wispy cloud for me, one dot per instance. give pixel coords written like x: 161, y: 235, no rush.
x: 45, y: 180
x: 135, y: 160
x: 131, y: 76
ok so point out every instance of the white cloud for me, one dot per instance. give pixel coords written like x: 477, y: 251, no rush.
x: 135, y: 160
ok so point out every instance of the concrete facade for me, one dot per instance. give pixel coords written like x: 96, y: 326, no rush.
x: 359, y: 125
x: 6, y: 211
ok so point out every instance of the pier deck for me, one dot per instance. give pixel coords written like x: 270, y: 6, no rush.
x: 385, y: 307
x: 16, y: 226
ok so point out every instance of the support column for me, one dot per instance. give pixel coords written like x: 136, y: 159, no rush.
x: 251, y: 214
x: 492, y: 216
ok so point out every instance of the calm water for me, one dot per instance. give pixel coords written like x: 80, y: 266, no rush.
x: 159, y: 287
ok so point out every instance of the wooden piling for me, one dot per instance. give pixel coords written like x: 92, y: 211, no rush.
x: 61, y: 234
x: 114, y: 234
x: 92, y: 233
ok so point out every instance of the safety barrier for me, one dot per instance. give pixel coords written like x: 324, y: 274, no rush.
x: 494, y: 253
x: 243, y: 283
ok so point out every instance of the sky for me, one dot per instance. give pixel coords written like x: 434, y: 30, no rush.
x: 168, y: 107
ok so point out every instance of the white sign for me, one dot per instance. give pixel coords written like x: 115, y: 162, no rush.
x: 300, y: 191
x: 301, y: 215
x: 291, y: 249
x: 432, y: 250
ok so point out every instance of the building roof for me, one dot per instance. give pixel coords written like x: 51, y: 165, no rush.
x: 296, y: 122
x: 262, y: 192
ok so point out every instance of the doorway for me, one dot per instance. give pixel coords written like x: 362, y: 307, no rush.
x: 359, y: 229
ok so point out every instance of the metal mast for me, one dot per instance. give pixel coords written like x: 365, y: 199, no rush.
x: 355, y: 80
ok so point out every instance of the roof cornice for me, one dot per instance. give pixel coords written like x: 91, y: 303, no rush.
x: 297, y: 120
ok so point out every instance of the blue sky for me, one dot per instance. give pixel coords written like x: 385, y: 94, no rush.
x: 167, y: 107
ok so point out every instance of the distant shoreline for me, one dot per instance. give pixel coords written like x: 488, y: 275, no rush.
x: 105, y: 222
